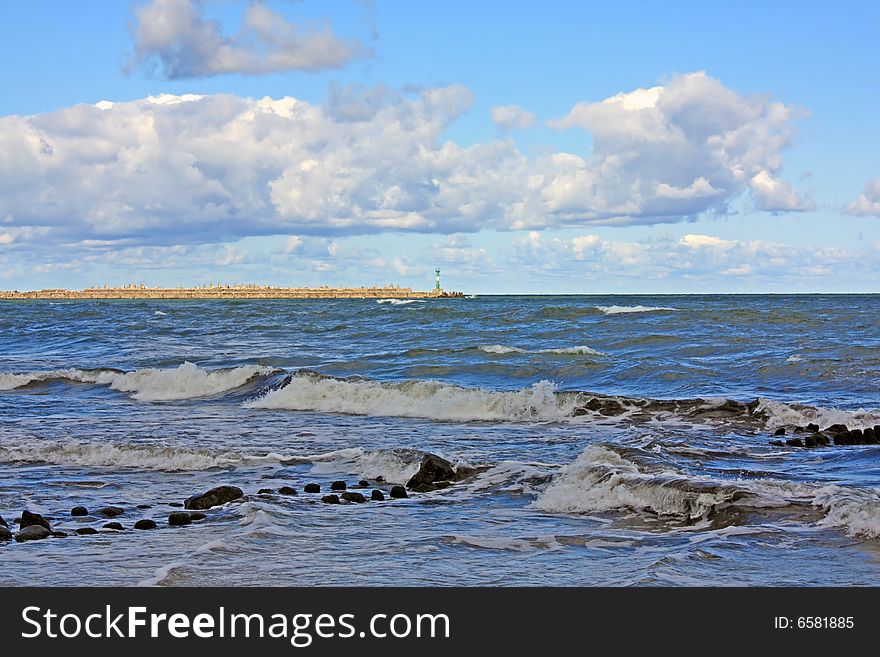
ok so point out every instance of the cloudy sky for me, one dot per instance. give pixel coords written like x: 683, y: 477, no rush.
x: 520, y: 147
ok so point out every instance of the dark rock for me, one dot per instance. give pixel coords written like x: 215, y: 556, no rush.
x: 114, y: 525
x: 777, y: 443
x: 357, y: 498
x: 337, y: 485
x: 810, y: 441
x: 214, y: 497
x: 312, y: 488
x: 377, y: 496
x: 330, y: 499
x: 836, y: 428
x: 179, y: 519
x: 176, y: 505
x: 287, y: 490
x: 398, y: 492
x: 5, y: 534
x: 380, y: 479
x: 265, y: 491
x: 79, y: 511
x: 821, y: 439
x: 32, y: 533
x: 363, y: 483
x: 146, y: 523
x: 56, y: 534
x: 3, y: 522
x: 145, y: 506
x: 871, y: 436
x: 799, y: 430
x: 86, y: 531
x: 812, y: 427
x: 841, y: 438
x: 110, y: 511
x: 29, y: 519
x: 794, y: 442
x: 197, y: 516
x: 779, y: 432
x: 431, y: 470
x: 856, y: 437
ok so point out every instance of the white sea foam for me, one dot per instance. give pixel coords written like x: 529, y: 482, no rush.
x: 856, y: 511
x: 780, y: 414
x: 602, y: 480
x: 151, y: 384
x: 617, y: 310
x: 503, y: 349
x: 423, y: 399
x: 796, y: 358
x: 143, y: 457
x: 400, y: 302
x: 159, y: 313
x: 396, y: 466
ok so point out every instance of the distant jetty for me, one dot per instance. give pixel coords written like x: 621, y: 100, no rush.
x: 233, y: 292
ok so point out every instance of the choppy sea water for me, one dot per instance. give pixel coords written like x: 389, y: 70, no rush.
x: 612, y: 453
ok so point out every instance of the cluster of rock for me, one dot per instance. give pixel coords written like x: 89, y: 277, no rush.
x: 837, y: 434
x: 434, y: 473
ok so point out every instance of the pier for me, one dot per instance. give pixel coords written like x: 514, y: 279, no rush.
x: 232, y: 292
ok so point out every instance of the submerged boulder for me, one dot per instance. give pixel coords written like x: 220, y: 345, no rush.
x: 197, y: 516
x: 179, y: 519
x: 377, y: 496
x: 357, y: 498
x: 146, y: 523
x: 287, y: 490
x: 110, y: 511
x: 337, y: 485
x: 330, y: 499
x: 5, y: 534
x: 312, y: 488
x: 79, y: 511
x: 32, y: 533
x: 794, y: 442
x: 214, y: 497
x: 114, y: 525
x: 398, y: 492
x: 86, y: 531
x: 779, y: 432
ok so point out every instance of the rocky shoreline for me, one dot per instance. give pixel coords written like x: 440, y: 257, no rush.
x: 836, y: 434
x: 434, y: 473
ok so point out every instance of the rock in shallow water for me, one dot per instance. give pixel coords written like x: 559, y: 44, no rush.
x: 330, y: 499
x: 145, y: 524
x: 266, y: 491
x: 86, y: 531
x: 794, y: 442
x: 214, y: 497
x: 312, y: 488
x: 398, y: 492
x: 110, y: 511
x: 29, y: 519
x: 114, y: 525
x: 337, y: 485
x: 179, y: 519
x: 377, y: 496
x: 3, y: 522
x: 79, y: 511
x: 197, y: 516
x: 5, y: 534
x: 432, y: 469
x: 357, y: 498
x: 32, y: 533
x: 779, y: 432
x: 287, y: 490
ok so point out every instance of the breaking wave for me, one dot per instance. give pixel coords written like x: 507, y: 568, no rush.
x: 186, y: 381
x: 617, y: 310
x: 502, y: 349
x: 400, y: 302
x: 422, y: 399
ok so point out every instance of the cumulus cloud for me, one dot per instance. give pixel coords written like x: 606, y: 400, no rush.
x: 868, y: 204
x: 205, y: 169
x: 176, y: 38
x: 776, y: 195
x: 512, y: 117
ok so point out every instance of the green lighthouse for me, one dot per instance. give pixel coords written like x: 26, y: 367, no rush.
x: 437, y: 271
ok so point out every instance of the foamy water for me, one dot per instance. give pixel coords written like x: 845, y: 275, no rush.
x: 611, y: 440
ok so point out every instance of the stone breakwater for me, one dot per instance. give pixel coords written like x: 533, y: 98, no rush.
x: 434, y: 473
x: 232, y: 292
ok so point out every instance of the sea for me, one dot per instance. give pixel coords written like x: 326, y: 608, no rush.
x: 610, y: 440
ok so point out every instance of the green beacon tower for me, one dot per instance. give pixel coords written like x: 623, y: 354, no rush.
x: 437, y: 271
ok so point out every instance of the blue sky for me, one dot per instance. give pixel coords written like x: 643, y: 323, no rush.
x: 520, y: 147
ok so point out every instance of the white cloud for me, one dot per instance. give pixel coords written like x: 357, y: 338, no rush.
x: 868, y: 204
x: 776, y: 195
x: 206, y: 169
x: 293, y: 244
x: 512, y: 117
x: 693, y: 241
x: 176, y: 37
